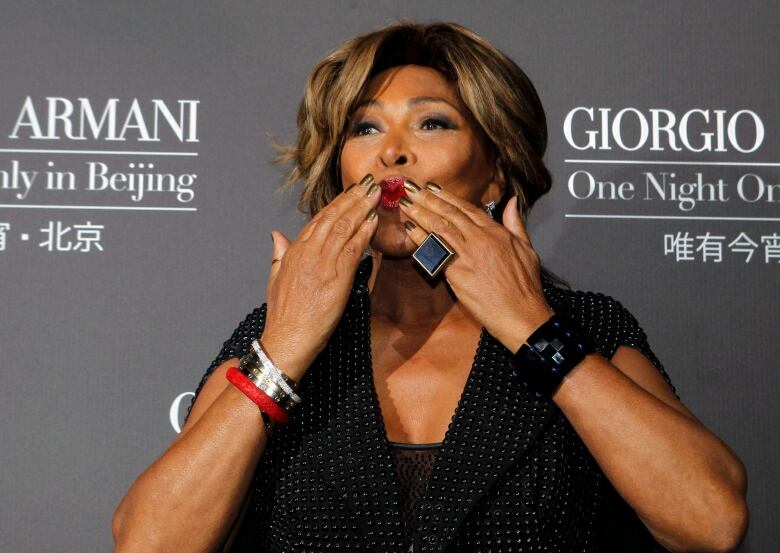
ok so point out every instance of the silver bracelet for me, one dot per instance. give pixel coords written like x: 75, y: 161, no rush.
x: 276, y: 374
x: 263, y: 380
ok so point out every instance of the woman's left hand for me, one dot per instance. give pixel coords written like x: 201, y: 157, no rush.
x: 495, y: 272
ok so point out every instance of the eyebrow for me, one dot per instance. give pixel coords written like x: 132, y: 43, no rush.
x: 416, y: 101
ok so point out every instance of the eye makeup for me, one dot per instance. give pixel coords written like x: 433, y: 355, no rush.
x: 440, y: 120
x: 360, y: 127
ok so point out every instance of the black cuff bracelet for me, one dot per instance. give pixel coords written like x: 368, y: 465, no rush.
x: 553, y: 350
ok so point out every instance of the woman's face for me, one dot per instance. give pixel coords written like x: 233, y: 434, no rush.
x: 411, y: 123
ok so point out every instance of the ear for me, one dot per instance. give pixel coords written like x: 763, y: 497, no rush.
x: 496, y: 187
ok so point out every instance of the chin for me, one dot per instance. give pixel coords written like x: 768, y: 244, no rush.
x: 391, y: 240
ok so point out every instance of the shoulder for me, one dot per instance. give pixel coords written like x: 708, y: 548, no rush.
x: 247, y: 330
x: 236, y: 346
x: 605, y: 318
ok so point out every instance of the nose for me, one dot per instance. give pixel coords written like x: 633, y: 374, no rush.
x: 395, y: 151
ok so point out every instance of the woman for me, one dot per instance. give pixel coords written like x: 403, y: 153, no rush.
x: 424, y: 425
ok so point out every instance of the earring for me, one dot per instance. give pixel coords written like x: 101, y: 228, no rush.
x: 490, y: 207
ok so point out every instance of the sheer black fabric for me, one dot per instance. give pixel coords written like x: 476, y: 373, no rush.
x: 412, y: 464
x: 510, y: 475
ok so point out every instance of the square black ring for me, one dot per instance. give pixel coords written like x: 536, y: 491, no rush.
x: 432, y: 255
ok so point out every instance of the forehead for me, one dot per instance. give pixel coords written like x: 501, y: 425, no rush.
x: 404, y: 81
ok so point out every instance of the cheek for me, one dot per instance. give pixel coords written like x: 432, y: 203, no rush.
x: 355, y: 160
x: 457, y: 160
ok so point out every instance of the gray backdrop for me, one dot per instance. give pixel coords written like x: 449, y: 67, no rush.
x: 113, y: 305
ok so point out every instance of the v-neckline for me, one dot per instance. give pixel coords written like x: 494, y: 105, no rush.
x: 436, y: 468
x: 375, y: 393
x: 495, y: 422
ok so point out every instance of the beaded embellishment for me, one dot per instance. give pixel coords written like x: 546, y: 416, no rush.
x: 511, y: 474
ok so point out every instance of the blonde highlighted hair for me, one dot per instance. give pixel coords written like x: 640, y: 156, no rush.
x: 501, y: 98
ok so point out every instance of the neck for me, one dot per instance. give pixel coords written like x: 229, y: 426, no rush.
x: 403, y: 296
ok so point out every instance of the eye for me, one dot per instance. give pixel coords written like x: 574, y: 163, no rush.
x: 437, y: 122
x: 363, y: 128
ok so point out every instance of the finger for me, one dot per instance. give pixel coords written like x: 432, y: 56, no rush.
x: 339, y: 225
x: 419, y: 235
x: 514, y: 223
x: 352, y: 252
x: 307, y: 229
x: 415, y: 232
x: 442, y: 201
x: 336, y: 207
x: 448, y: 226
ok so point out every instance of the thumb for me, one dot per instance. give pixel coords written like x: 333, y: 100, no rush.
x: 281, y: 243
x: 513, y: 222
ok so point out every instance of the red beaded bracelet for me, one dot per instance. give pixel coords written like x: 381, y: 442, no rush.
x: 269, y: 406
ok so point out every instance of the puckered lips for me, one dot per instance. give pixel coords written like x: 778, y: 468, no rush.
x: 392, y: 190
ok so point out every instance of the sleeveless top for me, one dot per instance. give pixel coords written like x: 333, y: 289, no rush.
x: 510, y: 475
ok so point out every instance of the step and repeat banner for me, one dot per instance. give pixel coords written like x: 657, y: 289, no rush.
x: 137, y: 192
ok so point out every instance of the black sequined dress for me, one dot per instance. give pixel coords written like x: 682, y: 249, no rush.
x: 511, y: 475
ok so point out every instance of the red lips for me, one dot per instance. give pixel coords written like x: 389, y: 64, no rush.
x: 392, y: 190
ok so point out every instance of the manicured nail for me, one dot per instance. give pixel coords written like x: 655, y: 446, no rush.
x: 348, y: 188
x: 366, y: 180
x: 371, y: 189
x: 371, y: 215
x: 432, y: 186
x: 403, y: 200
x: 411, y: 187
x: 409, y: 225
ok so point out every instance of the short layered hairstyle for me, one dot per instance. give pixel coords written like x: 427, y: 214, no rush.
x: 499, y: 95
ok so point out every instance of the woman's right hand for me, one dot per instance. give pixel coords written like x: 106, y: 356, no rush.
x: 309, y: 285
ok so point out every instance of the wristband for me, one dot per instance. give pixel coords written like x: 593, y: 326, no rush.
x: 267, y: 384
x: 276, y: 373
x: 552, y: 351
x: 265, y: 403
x: 262, y: 377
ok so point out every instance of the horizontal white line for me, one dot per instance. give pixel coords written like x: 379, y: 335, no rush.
x: 98, y: 207
x: 96, y: 152
x: 655, y: 162
x: 695, y: 217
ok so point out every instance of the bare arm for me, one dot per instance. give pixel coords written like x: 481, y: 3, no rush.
x: 188, y: 498
x: 193, y: 496
x: 685, y: 484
